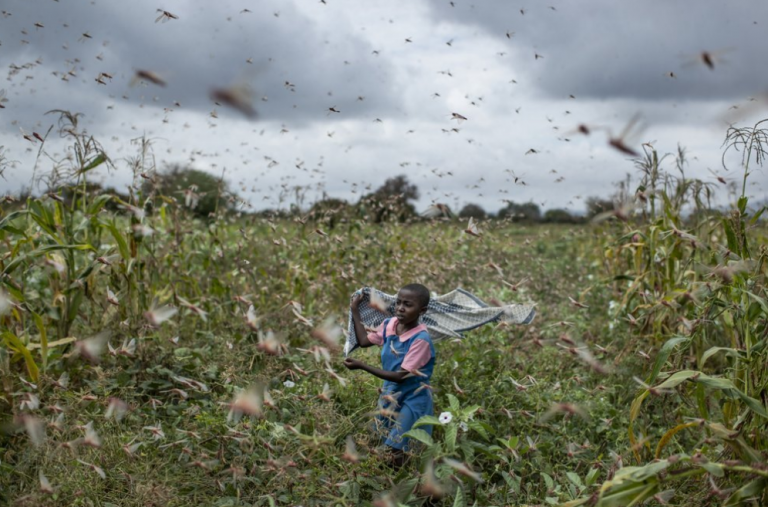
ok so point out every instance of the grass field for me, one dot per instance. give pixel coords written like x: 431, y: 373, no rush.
x: 133, y: 372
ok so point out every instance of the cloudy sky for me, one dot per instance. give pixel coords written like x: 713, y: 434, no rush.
x: 349, y: 93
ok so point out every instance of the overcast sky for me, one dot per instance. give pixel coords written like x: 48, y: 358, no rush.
x: 524, y: 74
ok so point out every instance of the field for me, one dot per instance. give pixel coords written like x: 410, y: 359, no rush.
x: 159, y: 359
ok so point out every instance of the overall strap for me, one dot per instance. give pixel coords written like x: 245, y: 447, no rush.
x: 384, y: 331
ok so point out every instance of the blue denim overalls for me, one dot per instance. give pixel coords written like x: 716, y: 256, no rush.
x: 410, y: 404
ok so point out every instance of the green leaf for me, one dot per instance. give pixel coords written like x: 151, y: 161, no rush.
x: 459, y: 500
x: 451, y: 431
x: 98, y: 203
x: 122, y: 245
x: 5, y: 223
x: 677, y: 378
x: 43, y: 338
x: 742, y: 203
x: 14, y: 343
x: 575, y: 479
x: 713, y: 468
x: 755, y: 218
x: 420, y: 435
x: 454, y: 403
x: 714, y: 350
x: 94, y: 163
x: 427, y: 420
x: 664, y: 354
x: 751, y: 489
x: 548, y: 481
x: 592, y: 476
x: 730, y: 236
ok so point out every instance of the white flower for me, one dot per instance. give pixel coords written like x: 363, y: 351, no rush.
x: 445, y: 418
x: 463, y: 426
x: 289, y: 384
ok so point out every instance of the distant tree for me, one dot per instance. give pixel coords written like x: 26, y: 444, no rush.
x: 330, y: 211
x: 597, y: 205
x: 196, y: 190
x: 526, y: 212
x: 391, y: 201
x: 472, y: 211
x: 560, y: 216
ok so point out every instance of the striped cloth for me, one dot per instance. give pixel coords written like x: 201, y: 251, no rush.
x: 447, y: 316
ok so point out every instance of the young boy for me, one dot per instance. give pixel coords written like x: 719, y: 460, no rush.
x: 407, y: 359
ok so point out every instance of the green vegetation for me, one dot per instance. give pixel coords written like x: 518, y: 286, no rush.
x: 135, y: 372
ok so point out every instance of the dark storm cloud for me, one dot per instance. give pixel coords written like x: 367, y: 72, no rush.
x: 208, y: 47
x: 607, y: 49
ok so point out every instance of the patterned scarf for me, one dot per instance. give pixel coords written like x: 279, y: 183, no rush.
x: 447, y: 316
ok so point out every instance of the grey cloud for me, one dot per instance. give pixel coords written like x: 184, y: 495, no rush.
x: 201, y: 51
x: 609, y: 49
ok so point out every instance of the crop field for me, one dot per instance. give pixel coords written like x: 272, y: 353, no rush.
x: 149, y: 357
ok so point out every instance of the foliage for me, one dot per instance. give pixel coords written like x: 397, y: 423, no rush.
x: 134, y: 343
x: 390, y: 202
x: 202, y: 193
x: 525, y: 212
x: 473, y: 211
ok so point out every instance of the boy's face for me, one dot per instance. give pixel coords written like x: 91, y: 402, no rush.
x: 408, y: 307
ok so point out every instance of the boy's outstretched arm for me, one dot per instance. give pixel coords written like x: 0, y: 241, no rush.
x: 392, y: 376
x: 362, y: 335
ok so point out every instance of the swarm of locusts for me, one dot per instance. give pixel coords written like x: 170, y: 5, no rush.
x: 137, y: 338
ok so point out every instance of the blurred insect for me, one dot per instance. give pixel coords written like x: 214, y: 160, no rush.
x: 497, y: 268
x: 377, y: 302
x: 463, y: 469
x: 112, y: 298
x: 569, y: 409
x: 458, y: 117
x: 430, y: 485
x: 620, y: 143
x: 165, y: 16
x: 456, y: 386
x: 517, y: 285
x: 92, y: 348
x: 95, y: 468
x: 156, y: 316
x: 577, y: 304
x: 45, y: 485
x: 3, y: 99
x: 335, y: 375
x: 146, y: 75
x: 238, y: 97
x: 325, y: 394
x: 472, y: 228
x: 117, y: 408
x: 62, y: 382
x: 436, y: 210
x: 707, y: 58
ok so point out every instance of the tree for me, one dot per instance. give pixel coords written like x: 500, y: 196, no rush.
x: 390, y: 201
x: 201, y: 192
x: 330, y: 211
x: 560, y: 216
x: 597, y: 205
x: 472, y: 211
x: 526, y: 212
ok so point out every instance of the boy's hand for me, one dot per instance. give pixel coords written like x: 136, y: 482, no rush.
x: 353, y: 364
x: 355, y: 304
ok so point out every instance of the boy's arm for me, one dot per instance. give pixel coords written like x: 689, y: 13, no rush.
x: 362, y: 335
x: 392, y: 376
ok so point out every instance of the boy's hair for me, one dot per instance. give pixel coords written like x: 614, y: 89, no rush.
x: 422, y: 293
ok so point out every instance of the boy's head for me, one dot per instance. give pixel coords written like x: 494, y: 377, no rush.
x: 412, y: 301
